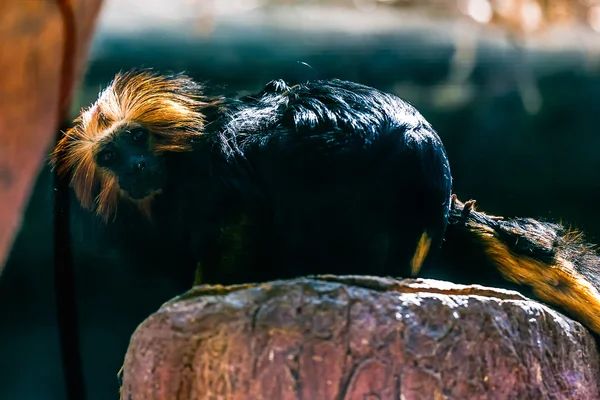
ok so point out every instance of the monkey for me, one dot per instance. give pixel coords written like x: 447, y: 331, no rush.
x: 322, y: 177
x: 326, y: 176
x: 544, y: 261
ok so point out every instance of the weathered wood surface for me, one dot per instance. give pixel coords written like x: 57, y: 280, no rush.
x: 358, y: 338
x: 34, y: 92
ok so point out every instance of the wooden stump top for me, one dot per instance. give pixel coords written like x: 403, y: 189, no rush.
x: 358, y: 338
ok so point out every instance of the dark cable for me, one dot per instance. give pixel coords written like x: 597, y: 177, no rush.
x: 64, y: 281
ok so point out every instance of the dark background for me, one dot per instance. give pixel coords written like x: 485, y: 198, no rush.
x: 519, y: 119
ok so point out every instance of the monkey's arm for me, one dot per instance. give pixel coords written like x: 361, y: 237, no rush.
x: 543, y: 260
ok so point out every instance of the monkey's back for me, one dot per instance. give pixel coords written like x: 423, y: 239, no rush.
x: 354, y: 177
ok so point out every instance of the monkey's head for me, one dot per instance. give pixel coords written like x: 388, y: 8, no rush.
x: 118, y: 146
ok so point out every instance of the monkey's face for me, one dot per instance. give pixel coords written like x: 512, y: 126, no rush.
x: 118, y: 145
x: 127, y: 154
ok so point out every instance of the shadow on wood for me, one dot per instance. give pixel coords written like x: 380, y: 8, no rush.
x: 361, y: 338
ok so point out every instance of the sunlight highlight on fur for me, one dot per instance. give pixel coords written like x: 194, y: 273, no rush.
x: 421, y: 253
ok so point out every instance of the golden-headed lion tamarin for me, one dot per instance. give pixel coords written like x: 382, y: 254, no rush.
x: 322, y: 177
x: 326, y: 176
x: 115, y: 150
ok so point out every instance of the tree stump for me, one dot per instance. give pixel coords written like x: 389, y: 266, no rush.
x: 357, y: 338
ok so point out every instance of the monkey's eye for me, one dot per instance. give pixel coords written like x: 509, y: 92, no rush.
x: 138, y: 134
x: 107, y: 155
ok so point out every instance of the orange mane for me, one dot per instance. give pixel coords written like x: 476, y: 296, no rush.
x: 168, y: 106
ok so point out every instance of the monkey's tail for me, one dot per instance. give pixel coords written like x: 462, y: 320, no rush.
x: 542, y: 260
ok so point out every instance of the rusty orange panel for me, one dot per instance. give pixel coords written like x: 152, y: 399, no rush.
x: 33, y: 93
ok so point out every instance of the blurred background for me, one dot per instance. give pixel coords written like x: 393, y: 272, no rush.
x: 512, y: 87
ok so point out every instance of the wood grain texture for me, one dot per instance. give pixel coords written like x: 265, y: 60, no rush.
x: 357, y: 338
x: 31, y: 99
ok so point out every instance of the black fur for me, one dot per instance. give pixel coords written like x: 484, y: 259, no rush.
x: 323, y: 177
